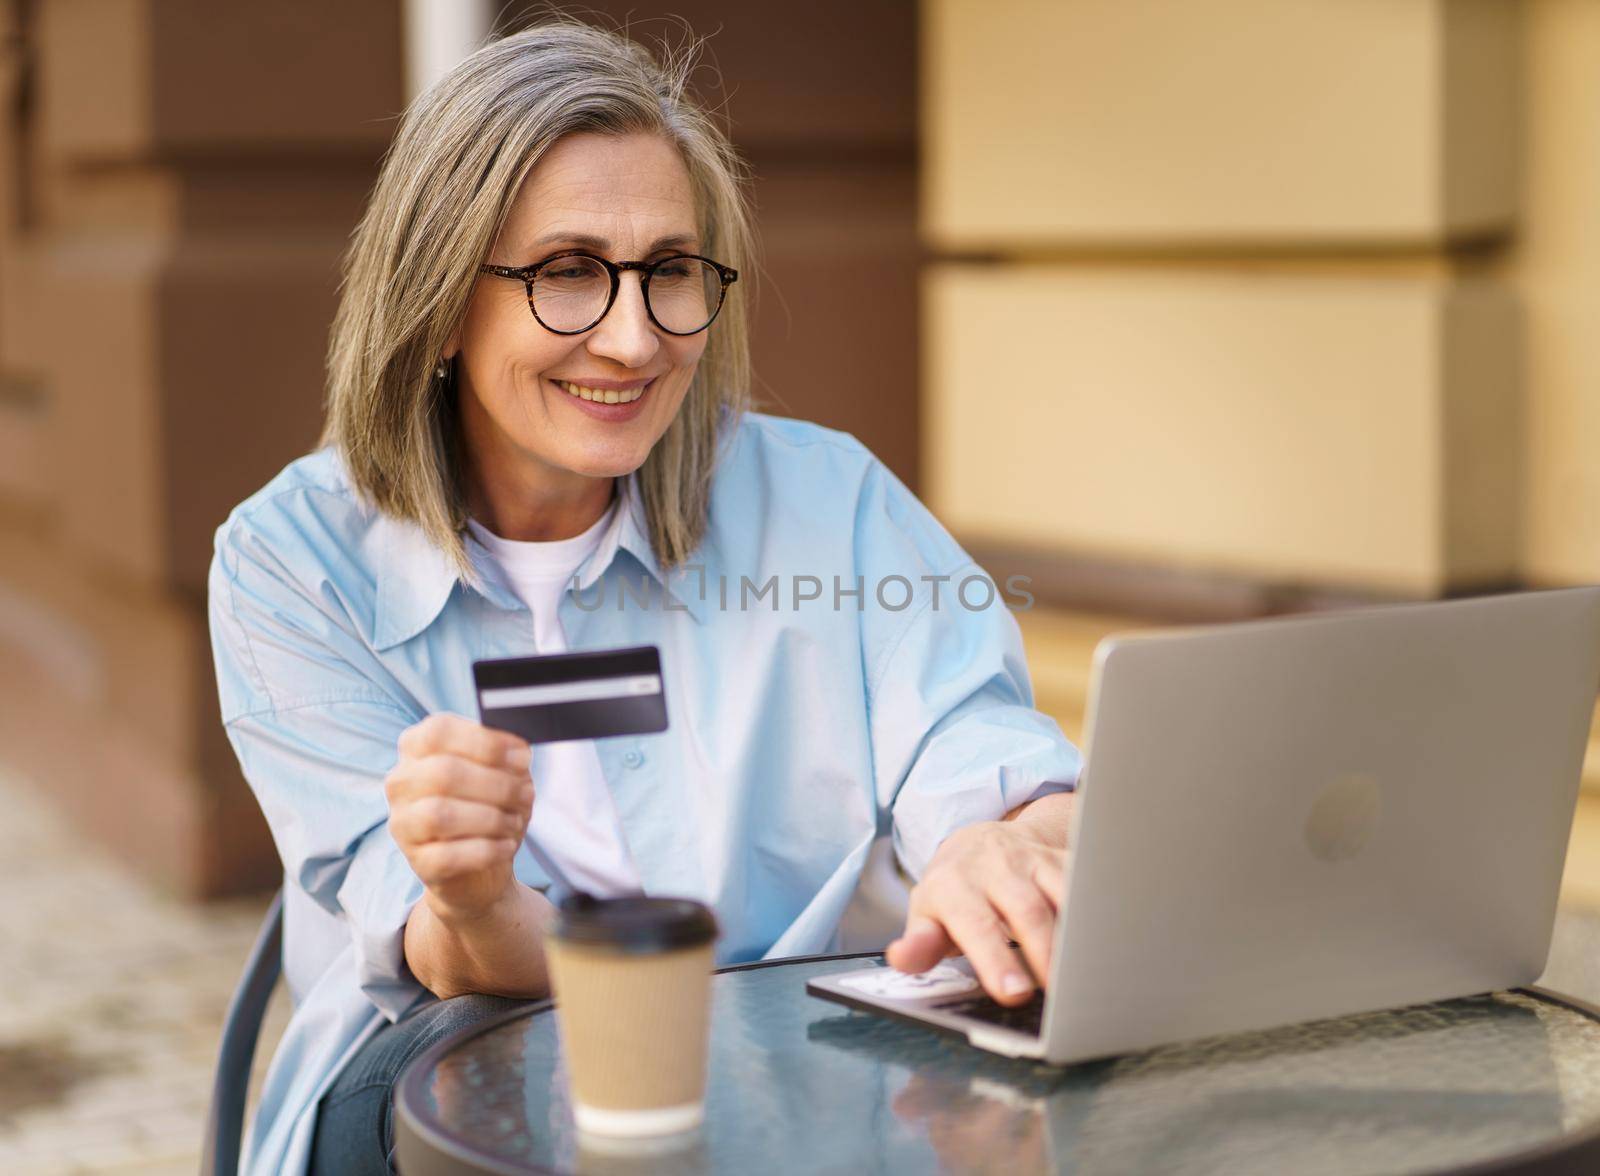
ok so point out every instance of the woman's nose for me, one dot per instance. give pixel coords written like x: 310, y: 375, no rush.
x: 626, y: 334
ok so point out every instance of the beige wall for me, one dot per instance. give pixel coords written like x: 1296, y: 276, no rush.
x: 1208, y: 123
x: 1298, y: 291
x: 1555, y: 270
x: 1347, y: 429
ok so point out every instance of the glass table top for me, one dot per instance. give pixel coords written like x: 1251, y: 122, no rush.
x: 799, y: 1084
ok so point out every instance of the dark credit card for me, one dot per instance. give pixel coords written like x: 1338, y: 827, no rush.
x: 583, y: 695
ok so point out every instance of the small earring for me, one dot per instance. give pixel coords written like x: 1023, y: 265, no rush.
x: 441, y: 371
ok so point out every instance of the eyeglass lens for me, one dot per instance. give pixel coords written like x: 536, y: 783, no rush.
x: 570, y: 293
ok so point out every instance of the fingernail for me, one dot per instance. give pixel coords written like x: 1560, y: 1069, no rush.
x: 519, y: 757
x: 1015, y: 984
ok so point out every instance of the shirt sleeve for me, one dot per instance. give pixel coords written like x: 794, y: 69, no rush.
x: 315, y: 727
x: 955, y: 735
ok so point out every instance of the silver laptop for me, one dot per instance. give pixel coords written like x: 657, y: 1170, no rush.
x: 1300, y: 818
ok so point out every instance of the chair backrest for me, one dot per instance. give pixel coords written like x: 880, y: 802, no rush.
x: 225, y: 1123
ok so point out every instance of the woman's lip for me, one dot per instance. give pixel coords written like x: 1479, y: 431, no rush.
x: 607, y: 412
x: 606, y: 385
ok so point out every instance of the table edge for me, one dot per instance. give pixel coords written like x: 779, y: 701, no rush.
x: 1577, y: 1154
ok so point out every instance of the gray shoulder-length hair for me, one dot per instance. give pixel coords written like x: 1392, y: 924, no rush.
x: 445, y: 189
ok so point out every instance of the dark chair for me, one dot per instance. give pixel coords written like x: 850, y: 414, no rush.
x: 225, y: 1123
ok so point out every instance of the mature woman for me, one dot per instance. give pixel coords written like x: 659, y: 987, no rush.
x: 537, y: 440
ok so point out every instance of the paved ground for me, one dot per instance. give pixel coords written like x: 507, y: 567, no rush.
x: 114, y: 997
x: 113, y: 1001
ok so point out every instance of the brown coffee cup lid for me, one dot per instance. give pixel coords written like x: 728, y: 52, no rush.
x: 634, y: 923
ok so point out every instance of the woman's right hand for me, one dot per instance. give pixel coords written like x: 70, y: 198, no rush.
x: 460, y: 798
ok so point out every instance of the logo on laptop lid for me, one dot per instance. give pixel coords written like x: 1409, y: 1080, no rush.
x: 1343, y: 818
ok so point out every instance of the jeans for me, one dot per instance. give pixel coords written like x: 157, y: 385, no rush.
x: 355, y: 1120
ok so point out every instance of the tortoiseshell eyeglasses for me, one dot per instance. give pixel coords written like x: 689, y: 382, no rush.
x: 571, y: 292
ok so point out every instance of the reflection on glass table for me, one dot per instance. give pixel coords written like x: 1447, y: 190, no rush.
x: 799, y: 1085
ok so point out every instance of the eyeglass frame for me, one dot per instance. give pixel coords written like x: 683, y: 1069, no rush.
x: 615, y: 269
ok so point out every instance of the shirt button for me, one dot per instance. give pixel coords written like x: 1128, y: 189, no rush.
x: 633, y: 758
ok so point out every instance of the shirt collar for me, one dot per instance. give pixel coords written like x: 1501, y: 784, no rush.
x: 415, y: 578
x: 630, y: 532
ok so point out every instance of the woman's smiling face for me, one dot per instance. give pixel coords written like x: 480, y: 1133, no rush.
x: 621, y: 197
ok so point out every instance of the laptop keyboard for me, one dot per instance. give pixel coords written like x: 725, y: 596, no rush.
x: 1027, y: 1018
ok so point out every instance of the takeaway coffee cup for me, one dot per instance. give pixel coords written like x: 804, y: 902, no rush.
x: 632, y: 983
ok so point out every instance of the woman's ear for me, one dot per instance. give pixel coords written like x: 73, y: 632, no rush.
x: 450, y: 348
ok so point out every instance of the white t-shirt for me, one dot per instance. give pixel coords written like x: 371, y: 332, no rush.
x: 574, y: 818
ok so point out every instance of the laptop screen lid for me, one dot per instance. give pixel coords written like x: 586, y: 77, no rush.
x: 1307, y: 817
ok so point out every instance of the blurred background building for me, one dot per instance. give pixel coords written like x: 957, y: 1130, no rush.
x: 1184, y: 308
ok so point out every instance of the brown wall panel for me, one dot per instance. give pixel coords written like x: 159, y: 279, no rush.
x: 107, y: 701
x: 199, y: 168
x: 290, y: 76
x: 93, y: 81
x: 241, y: 374
x: 794, y: 77
x: 821, y: 99
x: 836, y: 329
x: 100, y: 370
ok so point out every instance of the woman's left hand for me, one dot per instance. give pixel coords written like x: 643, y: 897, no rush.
x: 988, y: 884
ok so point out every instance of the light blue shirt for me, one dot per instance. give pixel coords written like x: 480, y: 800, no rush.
x: 837, y: 669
